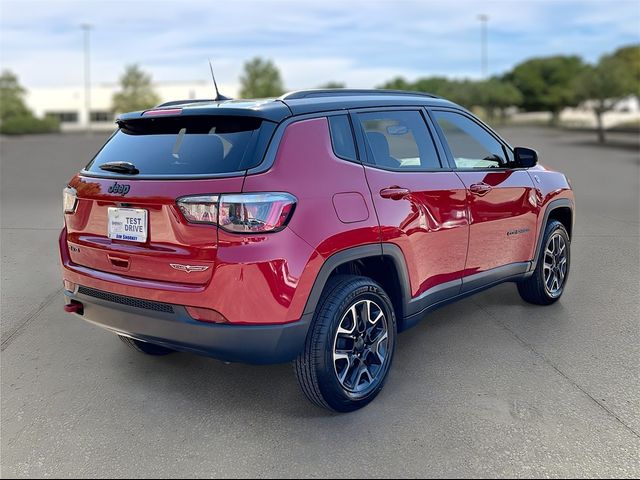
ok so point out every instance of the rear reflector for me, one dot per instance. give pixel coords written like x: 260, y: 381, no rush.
x: 162, y: 111
x: 206, y: 315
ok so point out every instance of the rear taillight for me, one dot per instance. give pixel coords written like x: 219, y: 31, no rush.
x: 240, y: 213
x: 255, y: 212
x: 200, y: 209
x: 69, y: 200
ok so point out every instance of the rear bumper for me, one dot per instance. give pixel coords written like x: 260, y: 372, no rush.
x: 174, y: 328
x: 271, y: 275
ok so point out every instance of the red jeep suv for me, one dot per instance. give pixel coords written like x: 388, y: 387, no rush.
x: 312, y: 227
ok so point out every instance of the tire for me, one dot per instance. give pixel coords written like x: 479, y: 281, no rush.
x: 145, y: 347
x: 347, y: 355
x: 541, y: 287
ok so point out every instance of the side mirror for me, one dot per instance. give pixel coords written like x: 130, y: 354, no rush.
x: 525, y: 157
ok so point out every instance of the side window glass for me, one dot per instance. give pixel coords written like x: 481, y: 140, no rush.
x: 470, y: 144
x: 399, y: 140
x: 342, y: 137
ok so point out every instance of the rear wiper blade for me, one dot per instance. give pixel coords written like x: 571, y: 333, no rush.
x: 120, y: 167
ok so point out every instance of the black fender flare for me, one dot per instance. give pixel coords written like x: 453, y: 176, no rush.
x: 382, y: 250
x: 551, y: 206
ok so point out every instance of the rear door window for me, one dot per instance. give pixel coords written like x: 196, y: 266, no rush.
x: 187, y: 145
x: 399, y: 140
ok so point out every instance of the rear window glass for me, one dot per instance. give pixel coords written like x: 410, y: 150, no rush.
x: 187, y: 145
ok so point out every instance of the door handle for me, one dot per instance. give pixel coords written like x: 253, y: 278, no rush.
x: 480, y: 188
x: 394, y: 193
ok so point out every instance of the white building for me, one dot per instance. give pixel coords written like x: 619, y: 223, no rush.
x: 625, y: 111
x: 68, y: 103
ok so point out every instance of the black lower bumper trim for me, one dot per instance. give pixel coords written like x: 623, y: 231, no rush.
x: 257, y: 344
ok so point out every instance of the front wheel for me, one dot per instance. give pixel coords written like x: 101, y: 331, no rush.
x: 349, y: 346
x: 547, y: 283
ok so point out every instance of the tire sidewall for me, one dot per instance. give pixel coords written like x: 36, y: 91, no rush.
x: 552, y: 229
x: 332, y: 390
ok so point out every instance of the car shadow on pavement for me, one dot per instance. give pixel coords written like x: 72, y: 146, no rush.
x: 254, y: 391
x: 233, y: 387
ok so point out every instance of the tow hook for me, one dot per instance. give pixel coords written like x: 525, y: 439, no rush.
x: 74, y: 307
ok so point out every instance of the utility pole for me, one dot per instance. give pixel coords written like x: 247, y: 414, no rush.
x: 484, y: 57
x: 86, y: 27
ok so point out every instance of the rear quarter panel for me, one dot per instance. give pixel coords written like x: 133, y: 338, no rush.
x: 328, y: 221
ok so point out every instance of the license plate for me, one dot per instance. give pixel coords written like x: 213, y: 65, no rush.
x: 127, y: 224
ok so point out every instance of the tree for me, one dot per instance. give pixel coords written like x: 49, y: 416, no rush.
x: 15, y: 117
x: 440, y: 86
x: 547, y: 84
x: 630, y: 56
x: 261, y: 79
x: 397, y: 83
x: 136, y: 91
x: 496, y: 94
x: 603, y: 85
x: 459, y: 91
x: 11, y: 97
x: 333, y: 84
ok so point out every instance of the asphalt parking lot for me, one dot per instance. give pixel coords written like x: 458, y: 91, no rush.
x: 489, y: 386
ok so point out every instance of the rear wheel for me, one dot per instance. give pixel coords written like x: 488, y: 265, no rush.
x: 547, y: 283
x: 145, y: 347
x: 349, y: 346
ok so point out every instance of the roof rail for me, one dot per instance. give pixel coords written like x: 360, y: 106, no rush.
x: 180, y: 102
x: 331, y: 92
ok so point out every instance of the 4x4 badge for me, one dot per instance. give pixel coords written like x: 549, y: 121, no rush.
x: 189, y: 268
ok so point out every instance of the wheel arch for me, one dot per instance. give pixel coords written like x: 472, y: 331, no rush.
x: 383, y: 263
x: 560, y: 209
x: 564, y: 214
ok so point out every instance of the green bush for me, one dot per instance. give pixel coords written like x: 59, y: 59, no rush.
x: 23, y: 124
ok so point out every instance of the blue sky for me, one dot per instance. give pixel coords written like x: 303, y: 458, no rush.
x: 362, y: 43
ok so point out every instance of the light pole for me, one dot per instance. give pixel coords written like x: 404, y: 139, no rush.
x: 86, y: 27
x: 484, y: 62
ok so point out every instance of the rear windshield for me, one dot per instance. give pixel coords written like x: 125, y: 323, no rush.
x: 187, y: 145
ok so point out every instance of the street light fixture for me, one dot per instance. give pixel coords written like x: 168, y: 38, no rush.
x: 86, y: 27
